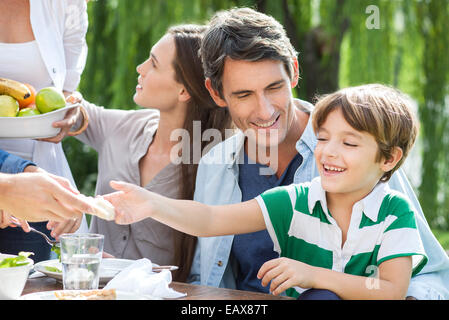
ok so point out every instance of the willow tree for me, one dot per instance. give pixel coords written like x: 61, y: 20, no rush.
x: 433, y: 23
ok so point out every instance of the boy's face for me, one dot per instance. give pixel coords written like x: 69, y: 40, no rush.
x: 258, y: 95
x: 346, y: 158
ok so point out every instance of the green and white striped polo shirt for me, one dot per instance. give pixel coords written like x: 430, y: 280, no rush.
x: 382, y: 227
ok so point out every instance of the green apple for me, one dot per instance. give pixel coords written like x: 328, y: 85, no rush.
x: 49, y: 99
x: 8, y: 106
x: 27, y: 112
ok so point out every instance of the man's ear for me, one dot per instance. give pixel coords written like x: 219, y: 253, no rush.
x: 183, y: 95
x: 214, y: 94
x: 389, y: 164
x: 295, y: 79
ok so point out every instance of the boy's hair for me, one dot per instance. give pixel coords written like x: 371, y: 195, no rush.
x: 379, y: 110
x: 243, y: 34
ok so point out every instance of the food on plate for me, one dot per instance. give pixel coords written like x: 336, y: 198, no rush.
x: 8, y: 106
x: 49, y: 99
x: 105, y: 294
x: 14, y: 89
x: 102, y: 208
x: 53, y: 269
x: 23, y: 103
x: 18, y: 261
x: 27, y: 112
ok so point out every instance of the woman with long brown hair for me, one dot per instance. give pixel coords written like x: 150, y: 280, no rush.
x: 141, y: 147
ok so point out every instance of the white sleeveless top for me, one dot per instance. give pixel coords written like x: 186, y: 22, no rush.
x: 23, y: 62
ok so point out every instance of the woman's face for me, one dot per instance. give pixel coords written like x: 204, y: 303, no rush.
x: 156, y: 86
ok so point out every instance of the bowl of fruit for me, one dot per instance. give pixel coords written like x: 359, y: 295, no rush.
x: 25, y: 113
x: 14, y: 270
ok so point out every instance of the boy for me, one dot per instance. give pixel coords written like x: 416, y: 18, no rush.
x: 337, y: 231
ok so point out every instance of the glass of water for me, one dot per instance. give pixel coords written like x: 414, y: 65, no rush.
x: 81, y: 257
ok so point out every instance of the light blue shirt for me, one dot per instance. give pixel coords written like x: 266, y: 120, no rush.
x: 217, y: 184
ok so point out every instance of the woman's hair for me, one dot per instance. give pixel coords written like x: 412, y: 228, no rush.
x: 244, y: 34
x: 201, y: 107
x: 379, y: 110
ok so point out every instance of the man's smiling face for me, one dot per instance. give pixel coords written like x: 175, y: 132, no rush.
x: 259, y: 98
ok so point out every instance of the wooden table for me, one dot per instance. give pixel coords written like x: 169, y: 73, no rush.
x: 194, y: 292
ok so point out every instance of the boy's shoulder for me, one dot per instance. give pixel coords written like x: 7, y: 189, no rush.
x: 396, y: 204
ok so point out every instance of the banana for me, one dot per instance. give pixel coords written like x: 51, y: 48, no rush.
x: 13, y: 88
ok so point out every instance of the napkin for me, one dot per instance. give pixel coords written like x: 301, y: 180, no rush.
x: 140, y: 279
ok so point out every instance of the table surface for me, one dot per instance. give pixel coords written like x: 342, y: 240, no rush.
x: 194, y: 292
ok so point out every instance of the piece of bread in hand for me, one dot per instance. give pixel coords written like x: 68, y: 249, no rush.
x: 102, y: 208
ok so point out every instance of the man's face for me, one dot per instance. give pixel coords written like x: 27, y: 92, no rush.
x: 258, y: 95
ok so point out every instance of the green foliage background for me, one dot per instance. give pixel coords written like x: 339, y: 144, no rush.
x: 337, y: 48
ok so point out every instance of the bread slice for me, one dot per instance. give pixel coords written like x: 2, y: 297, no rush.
x: 105, y: 294
x: 102, y: 208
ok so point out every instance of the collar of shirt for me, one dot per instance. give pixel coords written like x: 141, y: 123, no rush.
x: 369, y: 205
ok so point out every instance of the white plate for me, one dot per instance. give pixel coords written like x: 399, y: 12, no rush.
x: 109, y: 267
x: 50, y: 295
x: 33, y: 127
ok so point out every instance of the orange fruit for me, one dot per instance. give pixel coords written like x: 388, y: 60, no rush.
x: 25, y: 102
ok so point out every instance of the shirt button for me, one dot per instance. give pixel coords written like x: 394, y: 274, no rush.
x: 54, y: 70
x: 220, y: 263
x: 124, y: 238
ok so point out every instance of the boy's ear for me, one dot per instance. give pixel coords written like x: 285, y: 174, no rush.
x: 389, y: 164
x: 214, y: 94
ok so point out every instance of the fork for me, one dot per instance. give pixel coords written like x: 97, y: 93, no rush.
x: 47, y: 239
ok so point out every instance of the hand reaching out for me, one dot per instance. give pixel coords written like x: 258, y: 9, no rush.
x: 132, y: 203
x: 41, y: 196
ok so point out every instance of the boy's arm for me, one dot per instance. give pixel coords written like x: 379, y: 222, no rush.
x: 391, y: 282
x: 432, y: 282
x: 133, y: 203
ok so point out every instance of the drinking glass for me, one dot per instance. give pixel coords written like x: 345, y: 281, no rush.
x: 81, y: 257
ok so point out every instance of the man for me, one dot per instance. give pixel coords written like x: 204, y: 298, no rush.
x: 251, y: 67
x: 29, y: 193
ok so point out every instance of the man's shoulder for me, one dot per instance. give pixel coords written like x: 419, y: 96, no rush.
x: 304, y: 106
x: 224, y: 151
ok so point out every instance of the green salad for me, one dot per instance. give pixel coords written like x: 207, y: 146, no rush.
x: 56, y: 250
x: 18, y: 261
x: 53, y: 269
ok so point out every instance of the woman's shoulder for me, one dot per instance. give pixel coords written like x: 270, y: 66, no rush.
x: 128, y: 121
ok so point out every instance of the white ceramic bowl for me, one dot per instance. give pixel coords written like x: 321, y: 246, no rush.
x: 33, y: 127
x: 12, y: 280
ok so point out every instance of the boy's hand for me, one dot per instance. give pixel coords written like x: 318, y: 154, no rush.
x: 285, y: 273
x: 132, y: 203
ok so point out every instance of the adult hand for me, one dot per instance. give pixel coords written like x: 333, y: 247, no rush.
x: 65, y: 124
x: 40, y: 196
x: 285, y: 273
x: 67, y: 226
x: 70, y: 118
x: 132, y: 203
x: 7, y: 220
